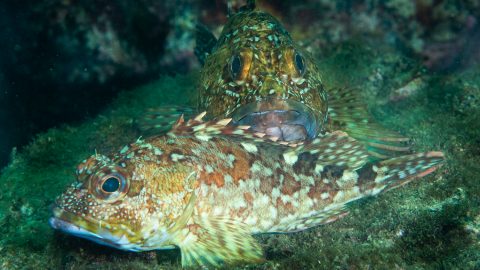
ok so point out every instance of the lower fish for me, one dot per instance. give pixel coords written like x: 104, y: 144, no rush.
x: 208, y: 187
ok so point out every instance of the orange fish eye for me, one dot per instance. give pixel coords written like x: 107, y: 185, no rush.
x: 235, y: 66
x: 109, y: 185
x: 239, y: 65
x: 295, y: 63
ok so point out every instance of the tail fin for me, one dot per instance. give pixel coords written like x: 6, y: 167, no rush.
x: 396, y: 172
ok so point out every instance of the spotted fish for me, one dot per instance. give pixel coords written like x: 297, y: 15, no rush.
x: 207, y: 187
x: 256, y: 74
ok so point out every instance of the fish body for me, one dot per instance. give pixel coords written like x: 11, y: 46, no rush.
x: 207, y: 187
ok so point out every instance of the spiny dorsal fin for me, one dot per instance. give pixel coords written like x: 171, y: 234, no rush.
x: 160, y: 120
x: 335, y: 148
x: 204, y: 130
x: 205, y: 41
x: 347, y: 112
x: 214, y: 241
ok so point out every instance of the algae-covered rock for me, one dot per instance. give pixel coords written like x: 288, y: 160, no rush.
x: 429, y: 224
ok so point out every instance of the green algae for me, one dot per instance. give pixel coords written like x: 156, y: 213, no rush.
x: 430, y: 224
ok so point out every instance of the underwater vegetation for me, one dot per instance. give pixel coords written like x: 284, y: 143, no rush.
x: 430, y: 224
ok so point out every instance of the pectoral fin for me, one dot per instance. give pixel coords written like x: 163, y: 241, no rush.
x: 216, y: 241
x: 347, y: 112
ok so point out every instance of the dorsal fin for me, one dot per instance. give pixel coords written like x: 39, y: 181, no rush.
x: 159, y: 120
x: 204, y: 130
x: 336, y: 148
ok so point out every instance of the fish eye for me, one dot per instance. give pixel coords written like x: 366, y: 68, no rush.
x: 111, y: 184
x: 236, y: 66
x: 299, y: 63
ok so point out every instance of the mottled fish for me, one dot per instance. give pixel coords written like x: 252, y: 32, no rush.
x: 207, y: 187
x: 256, y: 74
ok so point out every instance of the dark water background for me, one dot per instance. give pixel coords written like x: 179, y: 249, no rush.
x: 75, y: 74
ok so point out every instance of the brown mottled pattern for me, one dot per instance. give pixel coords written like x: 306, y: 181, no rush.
x: 199, y: 191
x: 241, y: 165
x: 290, y: 185
x: 267, y: 53
x: 283, y: 178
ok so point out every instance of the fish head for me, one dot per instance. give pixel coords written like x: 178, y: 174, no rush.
x: 131, y: 202
x: 260, y: 77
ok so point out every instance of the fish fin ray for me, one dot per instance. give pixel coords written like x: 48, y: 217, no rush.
x: 336, y: 148
x: 396, y: 172
x: 314, y: 219
x: 161, y: 119
x: 347, y: 112
x: 216, y: 241
x: 204, y: 130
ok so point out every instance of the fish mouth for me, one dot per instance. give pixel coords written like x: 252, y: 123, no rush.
x: 289, y: 120
x: 65, y: 222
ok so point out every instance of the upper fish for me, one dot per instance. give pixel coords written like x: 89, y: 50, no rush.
x: 256, y: 74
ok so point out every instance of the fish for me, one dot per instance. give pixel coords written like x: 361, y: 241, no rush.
x: 256, y: 74
x: 207, y: 187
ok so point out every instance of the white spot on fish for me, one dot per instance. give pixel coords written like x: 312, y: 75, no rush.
x: 208, y: 169
x: 124, y: 150
x: 228, y: 179
x: 318, y: 169
x: 275, y: 193
x: 176, y: 157
x: 290, y: 157
x: 249, y: 147
x: 203, y: 137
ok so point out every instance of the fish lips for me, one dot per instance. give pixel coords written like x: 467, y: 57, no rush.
x: 59, y: 221
x: 289, y: 120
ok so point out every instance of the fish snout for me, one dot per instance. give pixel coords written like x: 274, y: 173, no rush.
x: 288, y: 120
